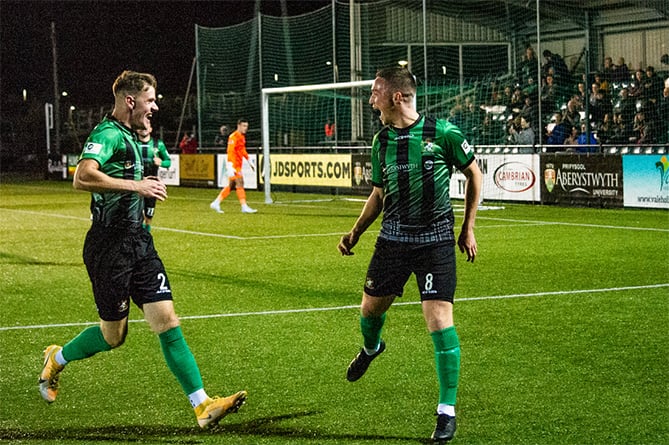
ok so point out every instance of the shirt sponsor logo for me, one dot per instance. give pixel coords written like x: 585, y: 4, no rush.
x: 398, y: 168
x: 92, y: 148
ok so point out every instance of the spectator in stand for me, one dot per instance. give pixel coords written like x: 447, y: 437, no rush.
x: 572, y: 114
x: 608, y: 69
x: 624, y: 132
x: 652, y: 86
x: 621, y: 73
x: 581, y: 92
x: 455, y: 116
x: 188, y: 144
x: 626, y: 105
x: 221, y: 139
x: 600, y: 104
x: 606, y: 129
x: 559, y: 67
x: 472, y: 118
x: 531, y: 88
x: 530, y: 112
x: 529, y: 67
x: 549, y: 95
x: 572, y: 139
x: 556, y: 132
x: 329, y: 129
x: 517, y: 100
x: 636, y: 87
x: 603, y: 83
x: 524, y: 137
x: 490, y: 133
x: 643, y: 131
x: 583, y: 141
x: 505, y: 98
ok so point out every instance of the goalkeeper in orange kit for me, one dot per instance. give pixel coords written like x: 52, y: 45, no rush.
x: 236, y: 155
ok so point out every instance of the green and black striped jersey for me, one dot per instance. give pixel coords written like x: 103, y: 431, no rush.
x: 115, y: 148
x: 413, y: 166
x: 150, y: 149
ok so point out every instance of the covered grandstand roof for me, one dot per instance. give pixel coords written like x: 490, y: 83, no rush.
x: 520, y: 15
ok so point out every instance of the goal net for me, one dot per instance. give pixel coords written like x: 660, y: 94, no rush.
x: 321, y: 118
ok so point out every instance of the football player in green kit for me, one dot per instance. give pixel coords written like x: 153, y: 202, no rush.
x: 119, y: 254
x: 154, y: 155
x: 412, y: 157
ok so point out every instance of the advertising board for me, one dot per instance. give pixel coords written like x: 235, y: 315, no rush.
x: 581, y: 179
x: 310, y: 170
x: 170, y: 176
x: 249, y: 174
x: 505, y: 178
x: 646, y: 181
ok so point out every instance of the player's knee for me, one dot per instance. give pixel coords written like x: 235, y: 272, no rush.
x: 375, y: 306
x: 115, y: 339
x: 114, y: 333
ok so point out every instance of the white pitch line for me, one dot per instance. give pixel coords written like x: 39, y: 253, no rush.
x: 339, y: 308
x: 524, y: 222
x: 558, y: 223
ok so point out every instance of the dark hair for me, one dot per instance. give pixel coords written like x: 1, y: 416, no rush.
x: 399, y: 79
x: 242, y: 120
x: 547, y: 53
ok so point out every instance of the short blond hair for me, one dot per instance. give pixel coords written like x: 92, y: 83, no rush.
x: 132, y: 83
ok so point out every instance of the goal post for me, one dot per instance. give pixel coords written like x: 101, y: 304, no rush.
x: 356, y: 104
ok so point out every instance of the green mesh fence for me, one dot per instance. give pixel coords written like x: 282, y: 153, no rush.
x: 468, y: 60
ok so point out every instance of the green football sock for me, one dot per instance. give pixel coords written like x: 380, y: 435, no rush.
x: 89, y: 342
x: 180, y: 360
x: 447, y: 358
x: 371, y: 330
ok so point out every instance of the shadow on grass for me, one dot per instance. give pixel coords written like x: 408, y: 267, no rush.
x: 10, y: 258
x: 260, y: 427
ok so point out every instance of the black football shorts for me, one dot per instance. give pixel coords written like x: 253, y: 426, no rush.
x: 124, y: 265
x: 393, y: 263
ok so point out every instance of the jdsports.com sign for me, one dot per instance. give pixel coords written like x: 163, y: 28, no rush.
x: 310, y: 170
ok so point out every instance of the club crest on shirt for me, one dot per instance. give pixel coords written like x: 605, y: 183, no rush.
x: 428, y: 146
x: 92, y: 148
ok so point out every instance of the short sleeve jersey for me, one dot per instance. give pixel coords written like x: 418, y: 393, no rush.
x: 150, y: 149
x: 115, y: 148
x: 237, y: 150
x: 413, y: 166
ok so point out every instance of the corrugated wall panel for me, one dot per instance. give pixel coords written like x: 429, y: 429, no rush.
x: 628, y: 45
x: 657, y: 44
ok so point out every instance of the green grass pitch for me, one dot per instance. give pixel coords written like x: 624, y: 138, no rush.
x: 563, y: 320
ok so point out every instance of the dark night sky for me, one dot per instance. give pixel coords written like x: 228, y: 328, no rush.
x: 96, y: 40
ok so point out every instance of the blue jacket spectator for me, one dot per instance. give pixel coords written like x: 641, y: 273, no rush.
x: 559, y: 133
